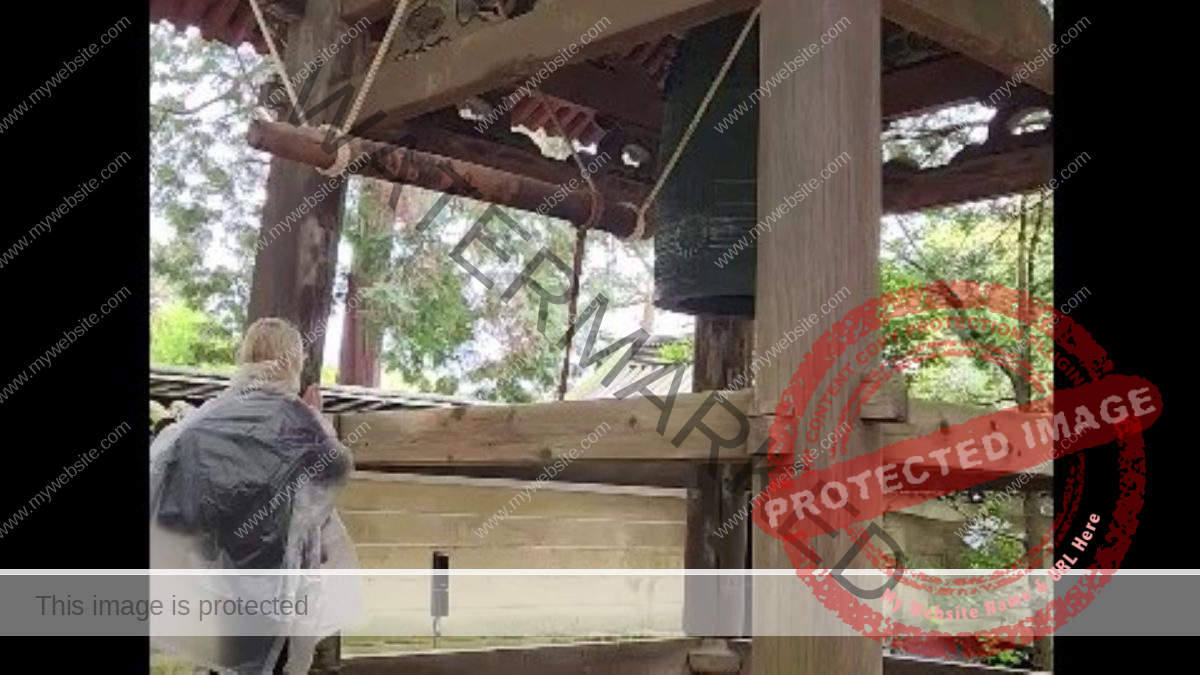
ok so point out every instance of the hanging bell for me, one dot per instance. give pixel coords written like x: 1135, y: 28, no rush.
x: 709, y: 202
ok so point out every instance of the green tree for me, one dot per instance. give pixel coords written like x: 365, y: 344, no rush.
x: 183, y: 336
x: 205, y: 182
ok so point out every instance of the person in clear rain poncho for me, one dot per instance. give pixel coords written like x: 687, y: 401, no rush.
x: 247, y: 482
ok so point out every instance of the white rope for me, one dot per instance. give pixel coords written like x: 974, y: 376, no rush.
x: 342, y: 160
x: 343, y: 154
x: 280, y: 68
x: 596, y: 199
x: 640, y: 230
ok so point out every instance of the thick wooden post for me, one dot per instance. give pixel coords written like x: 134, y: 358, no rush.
x: 715, y: 606
x: 826, y: 242
x: 301, y: 219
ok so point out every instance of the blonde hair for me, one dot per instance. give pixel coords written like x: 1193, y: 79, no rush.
x: 275, y: 347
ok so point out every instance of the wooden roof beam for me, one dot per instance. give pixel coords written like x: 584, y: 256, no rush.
x: 423, y: 168
x: 1000, y: 35
x: 934, y: 84
x: 507, y: 53
x: 1018, y: 164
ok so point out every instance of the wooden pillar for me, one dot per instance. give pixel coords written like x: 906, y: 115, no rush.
x: 1036, y: 526
x: 715, y: 606
x: 829, y: 240
x: 294, y: 271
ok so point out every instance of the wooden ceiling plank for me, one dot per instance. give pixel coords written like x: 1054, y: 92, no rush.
x: 1002, y: 35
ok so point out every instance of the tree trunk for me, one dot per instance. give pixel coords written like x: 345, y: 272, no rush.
x: 362, y: 342
x: 1035, y: 524
x: 1024, y: 270
x: 294, y: 268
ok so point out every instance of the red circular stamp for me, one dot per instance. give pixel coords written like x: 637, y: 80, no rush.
x: 1103, y: 407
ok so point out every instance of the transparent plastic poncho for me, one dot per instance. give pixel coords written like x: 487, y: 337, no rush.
x: 247, y: 482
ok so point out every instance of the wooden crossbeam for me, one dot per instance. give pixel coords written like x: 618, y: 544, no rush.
x: 936, y: 83
x: 926, y: 417
x: 429, y: 170
x: 536, y: 434
x: 539, y: 433
x: 612, y: 658
x: 665, y: 473
x: 523, y: 178
x: 1001, y: 35
x: 1020, y: 163
x: 517, y: 155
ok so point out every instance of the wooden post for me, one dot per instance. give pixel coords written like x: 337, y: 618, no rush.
x: 829, y: 240
x: 715, y: 606
x: 1036, y: 526
x: 301, y: 219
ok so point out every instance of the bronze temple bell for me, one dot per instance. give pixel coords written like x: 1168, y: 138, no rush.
x: 709, y: 202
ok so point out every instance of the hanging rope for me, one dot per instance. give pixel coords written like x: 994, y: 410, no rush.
x: 577, y: 263
x: 640, y: 229
x: 572, y: 308
x: 343, y: 156
x: 280, y: 68
x: 342, y: 160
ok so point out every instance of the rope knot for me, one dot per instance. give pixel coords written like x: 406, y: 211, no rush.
x: 341, y: 160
